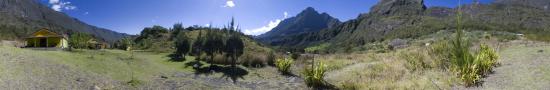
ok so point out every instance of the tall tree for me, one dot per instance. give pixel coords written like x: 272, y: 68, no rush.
x: 198, y: 45
x: 213, y: 44
x: 183, y: 45
x: 234, y: 46
x: 176, y: 29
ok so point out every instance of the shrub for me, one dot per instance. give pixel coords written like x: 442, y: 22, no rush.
x: 219, y: 59
x: 440, y: 51
x: 415, y: 61
x: 469, y: 74
x: 79, y: 40
x: 462, y: 62
x: 283, y: 65
x: 314, y: 76
x: 257, y: 60
x: 271, y: 59
x: 486, y: 58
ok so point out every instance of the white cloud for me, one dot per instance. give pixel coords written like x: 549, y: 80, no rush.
x: 286, y: 14
x: 229, y: 4
x: 261, y: 30
x: 86, y: 13
x: 59, y: 6
x: 207, y: 25
x: 56, y: 7
x: 272, y: 24
x: 54, y: 1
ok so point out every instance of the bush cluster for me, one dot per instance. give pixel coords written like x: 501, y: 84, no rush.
x: 283, y: 65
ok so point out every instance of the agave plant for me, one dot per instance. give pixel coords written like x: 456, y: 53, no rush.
x: 314, y: 76
x: 283, y: 65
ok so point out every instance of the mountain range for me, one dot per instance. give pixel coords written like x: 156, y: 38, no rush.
x: 399, y: 19
x: 20, y: 18
x: 307, y: 21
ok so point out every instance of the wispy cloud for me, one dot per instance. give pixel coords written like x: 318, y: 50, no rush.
x: 272, y: 24
x: 286, y: 14
x: 229, y: 3
x: 59, y: 6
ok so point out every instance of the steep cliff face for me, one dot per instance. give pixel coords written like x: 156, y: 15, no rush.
x: 399, y: 7
x: 540, y: 4
x: 18, y: 18
x: 386, y: 16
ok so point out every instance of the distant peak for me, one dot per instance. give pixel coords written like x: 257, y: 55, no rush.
x: 309, y: 11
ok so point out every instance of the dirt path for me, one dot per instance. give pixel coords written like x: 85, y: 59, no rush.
x: 522, y: 68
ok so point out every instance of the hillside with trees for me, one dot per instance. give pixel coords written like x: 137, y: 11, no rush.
x: 20, y: 18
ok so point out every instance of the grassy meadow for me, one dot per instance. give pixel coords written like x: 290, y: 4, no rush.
x: 414, y: 66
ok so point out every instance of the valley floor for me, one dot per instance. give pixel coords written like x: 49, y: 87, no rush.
x: 114, y: 69
x: 524, y: 65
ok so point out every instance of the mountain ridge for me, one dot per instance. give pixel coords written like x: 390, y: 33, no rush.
x: 23, y: 17
x: 401, y: 19
x: 309, y: 20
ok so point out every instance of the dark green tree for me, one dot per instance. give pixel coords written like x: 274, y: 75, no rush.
x: 213, y: 44
x: 151, y: 36
x: 183, y: 45
x: 176, y: 29
x: 124, y: 43
x: 234, y: 46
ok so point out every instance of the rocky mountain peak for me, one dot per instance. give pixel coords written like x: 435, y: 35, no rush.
x: 309, y: 11
x: 309, y: 20
x: 399, y: 7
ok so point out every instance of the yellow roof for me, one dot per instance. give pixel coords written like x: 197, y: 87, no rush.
x: 45, y: 33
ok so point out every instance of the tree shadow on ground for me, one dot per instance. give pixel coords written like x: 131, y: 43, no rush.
x: 233, y: 73
x: 324, y: 86
x: 289, y: 74
x: 175, y: 58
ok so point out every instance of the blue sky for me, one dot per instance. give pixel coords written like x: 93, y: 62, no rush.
x: 253, y: 16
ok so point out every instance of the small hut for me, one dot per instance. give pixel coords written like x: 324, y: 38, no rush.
x: 44, y: 38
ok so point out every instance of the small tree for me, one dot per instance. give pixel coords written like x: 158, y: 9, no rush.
x: 234, y: 46
x: 198, y: 46
x: 79, y: 40
x: 183, y: 45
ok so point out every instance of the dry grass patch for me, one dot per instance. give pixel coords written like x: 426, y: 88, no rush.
x: 409, y: 68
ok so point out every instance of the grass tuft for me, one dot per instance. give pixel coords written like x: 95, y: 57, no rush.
x: 314, y: 77
x: 283, y: 65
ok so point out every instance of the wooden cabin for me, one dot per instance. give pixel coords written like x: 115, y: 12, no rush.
x: 44, y: 38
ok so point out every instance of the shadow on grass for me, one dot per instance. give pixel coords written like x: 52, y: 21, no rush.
x: 324, y: 86
x: 176, y: 58
x: 234, y: 73
x: 288, y: 74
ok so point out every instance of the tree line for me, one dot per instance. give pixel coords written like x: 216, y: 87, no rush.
x: 225, y: 41
x: 210, y: 41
